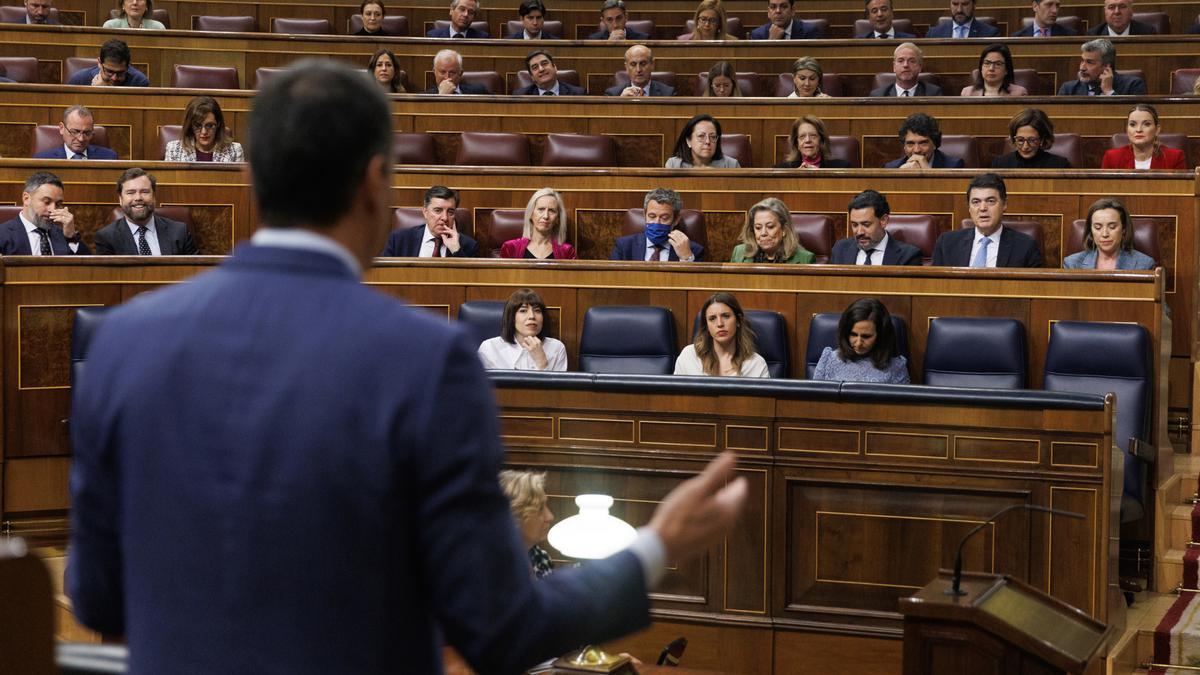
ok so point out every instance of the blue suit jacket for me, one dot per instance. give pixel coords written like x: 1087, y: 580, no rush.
x: 899, y: 35
x: 406, y: 243
x: 845, y: 252
x: 564, y: 89
x: 800, y: 31
x: 953, y: 249
x: 133, y: 77
x: 473, y: 33
x: 633, y: 247
x: 313, y: 510
x: 940, y: 161
x: 1055, y: 31
x: 60, y: 152
x: 14, y: 240
x: 631, y: 35
x: 656, y: 89
x: 978, y: 29
x: 1123, y: 85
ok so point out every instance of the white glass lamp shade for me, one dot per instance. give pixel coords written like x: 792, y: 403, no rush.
x: 593, y: 533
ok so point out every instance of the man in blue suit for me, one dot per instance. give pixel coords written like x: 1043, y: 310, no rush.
x: 639, y: 66
x: 871, y: 244
x: 544, y: 73
x: 1045, y: 21
x: 988, y: 243
x: 77, y: 128
x: 462, y: 13
x: 439, y: 238
x: 1098, y: 74
x: 614, y: 17
x: 880, y: 17
x: 45, y: 226
x: 319, y: 509
x: 920, y: 138
x: 782, y: 24
x: 962, y: 23
x: 663, y: 239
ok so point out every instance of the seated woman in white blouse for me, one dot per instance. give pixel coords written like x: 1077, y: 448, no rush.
x: 521, y: 344
x: 725, y: 346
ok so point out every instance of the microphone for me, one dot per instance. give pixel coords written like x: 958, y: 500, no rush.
x: 955, y: 589
x: 672, y: 652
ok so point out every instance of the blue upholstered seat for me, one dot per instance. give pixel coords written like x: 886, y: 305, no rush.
x: 87, y: 320
x: 976, y: 352
x: 633, y: 340
x: 483, y: 317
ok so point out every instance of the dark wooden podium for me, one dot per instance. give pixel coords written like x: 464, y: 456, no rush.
x: 1000, y: 626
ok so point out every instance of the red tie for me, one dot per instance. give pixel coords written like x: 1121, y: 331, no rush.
x: 437, y: 247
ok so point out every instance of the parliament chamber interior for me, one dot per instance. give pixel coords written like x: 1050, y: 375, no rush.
x: 1067, y: 389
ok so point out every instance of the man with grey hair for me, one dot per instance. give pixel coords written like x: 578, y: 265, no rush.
x: 77, y: 128
x: 1119, y: 21
x: 38, y: 12
x: 614, y: 16
x: 45, y: 226
x: 447, y: 75
x: 1098, y: 74
x: 462, y: 13
x: 907, y: 60
x: 663, y: 239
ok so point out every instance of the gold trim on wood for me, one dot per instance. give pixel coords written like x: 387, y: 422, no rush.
x: 664, y: 423
x: 1095, y: 454
x: 1095, y: 518
x: 857, y: 440
x: 21, y: 387
x: 527, y: 417
x: 725, y: 558
x: 944, y: 437
x: 631, y: 440
x: 1037, y: 445
x: 766, y: 435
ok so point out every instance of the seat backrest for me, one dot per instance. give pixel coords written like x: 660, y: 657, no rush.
x: 225, y: 24
x: 846, y: 148
x: 889, y: 79
x: 263, y: 75
x: 554, y: 28
x: 831, y: 83
x: 505, y: 224
x: 301, y: 26
x: 47, y: 136
x: 737, y: 146
x: 750, y: 84
x: 815, y: 232
x: 490, y: 80
x: 1172, y: 139
x: 204, y: 77
x: 1145, y: 237
x: 413, y: 147
x: 166, y: 134
x: 87, y: 320
x: 395, y: 25
x: 1159, y: 21
x: 862, y: 26
x: 915, y: 229
x: 691, y: 219
x: 482, y: 317
x: 487, y: 148
x: 20, y: 68
x: 524, y: 79
x: 1065, y: 145
x: 579, y: 150
x: 962, y: 146
x: 640, y: 25
x: 1183, y: 80
x: 633, y: 340
x: 74, y: 64
x: 666, y: 77
x: 8, y: 212
x: 976, y: 352
x: 404, y: 217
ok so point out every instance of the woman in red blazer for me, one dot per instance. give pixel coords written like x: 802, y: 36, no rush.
x: 545, y: 230
x: 1142, y: 128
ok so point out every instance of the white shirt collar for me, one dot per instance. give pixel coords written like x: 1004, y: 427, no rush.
x: 29, y: 227
x: 133, y: 227
x: 553, y: 89
x: 71, y: 153
x: 995, y: 236
x: 529, y: 36
x: 306, y: 240
x: 1113, y: 33
x: 912, y: 90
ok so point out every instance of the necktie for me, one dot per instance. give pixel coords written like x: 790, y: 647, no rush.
x: 76, y: 155
x: 981, y: 255
x: 45, y: 247
x: 1042, y: 32
x: 656, y: 253
x: 437, y: 247
x: 143, y: 247
x: 547, y: 93
x: 882, y: 36
x: 905, y: 93
x: 960, y: 31
x: 869, y: 252
x: 460, y: 35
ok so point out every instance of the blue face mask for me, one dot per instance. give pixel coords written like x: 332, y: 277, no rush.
x: 657, y: 233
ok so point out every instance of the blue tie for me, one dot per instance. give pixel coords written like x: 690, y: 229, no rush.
x: 76, y: 155
x: 981, y: 255
x: 960, y: 31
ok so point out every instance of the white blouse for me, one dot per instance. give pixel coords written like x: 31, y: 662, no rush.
x: 497, y: 354
x: 689, y: 364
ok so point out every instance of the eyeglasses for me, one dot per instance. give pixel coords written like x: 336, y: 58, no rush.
x: 1032, y: 140
x: 80, y: 133
x: 993, y: 64
x: 209, y: 126
x: 707, y: 20
x: 111, y: 74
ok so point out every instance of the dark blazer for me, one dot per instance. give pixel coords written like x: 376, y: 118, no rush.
x: 978, y: 29
x: 60, y: 152
x: 1135, y: 28
x: 656, y: 89
x: 1124, y: 85
x: 845, y: 252
x: 362, y: 32
x: 1055, y: 31
x: 14, y: 240
x: 520, y: 35
x: 173, y: 238
x: 940, y: 161
x: 899, y: 35
x: 133, y: 77
x: 630, y: 34
x: 800, y: 31
x: 564, y: 89
x: 406, y: 243
x: 50, y: 21
x: 472, y: 32
x: 464, y: 87
x: 1042, y: 160
x: 294, y: 424
x: 633, y: 247
x: 1165, y: 158
x: 953, y: 249
x: 922, y: 90
x: 826, y: 163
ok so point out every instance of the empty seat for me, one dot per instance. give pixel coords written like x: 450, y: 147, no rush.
x: 17, y: 14
x: 750, y: 84
x: 975, y: 352
x: 628, y: 340
x: 1159, y: 21
x: 488, y: 79
x: 579, y: 150
x: 822, y: 333
x: 1145, y: 237
x: 846, y: 148
x: 1183, y: 80
x: 621, y: 78
x: 862, y: 26
x: 166, y: 134
x: 263, y: 75
x: 396, y: 25
x: 552, y: 28
x: 1065, y: 145
x: 831, y: 83
x: 889, y: 79
x: 770, y: 339
x: 691, y: 220
x: 505, y: 224
x: 413, y: 147
x: 486, y: 148
x: 815, y: 232
x: 915, y: 229
x: 569, y: 76
x: 961, y: 146
x: 301, y: 26
x: 404, y: 217
x: 733, y: 26
x: 47, y: 136
x: 1171, y: 140
x: 20, y: 69
x: 74, y: 64
x: 204, y: 77
x: 1069, y: 22
x: 482, y: 317
x: 640, y: 25
x: 225, y: 24
x: 737, y: 146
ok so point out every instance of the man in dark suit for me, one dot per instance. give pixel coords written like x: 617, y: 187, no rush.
x: 77, y: 128
x: 462, y: 13
x: 44, y: 226
x: 871, y: 244
x: 782, y: 24
x: 141, y: 232
x: 541, y: 68
x: 989, y: 243
x: 663, y: 240
x: 1119, y: 21
x: 614, y: 17
x: 533, y: 22
x: 112, y: 69
x: 37, y: 12
x: 639, y: 65
x: 1045, y: 21
x: 962, y: 23
x: 907, y: 61
x: 439, y: 238
x: 880, y: 16
x: 1098, y: 74
x: 447, y: 75
x: 920, y: 137
x: 337, y: 520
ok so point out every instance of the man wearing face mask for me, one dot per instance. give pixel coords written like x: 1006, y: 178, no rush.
x: 45, y: 226
x: 661, y: 240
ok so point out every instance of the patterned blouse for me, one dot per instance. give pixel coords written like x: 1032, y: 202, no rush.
x: 832, y: 367
x: 540, y: 561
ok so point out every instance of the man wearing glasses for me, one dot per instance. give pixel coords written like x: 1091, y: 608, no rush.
x: 77, y: 129
x: 112, y: 69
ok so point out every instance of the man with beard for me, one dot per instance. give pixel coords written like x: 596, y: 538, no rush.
x: 140, y: 232
x: 45, y: 226
x: 871, y: 244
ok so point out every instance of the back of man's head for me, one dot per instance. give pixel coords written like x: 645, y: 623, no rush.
x: 313, y: 131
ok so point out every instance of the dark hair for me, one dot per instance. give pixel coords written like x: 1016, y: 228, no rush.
x: 534, y: 54
x: 986, y: 181
x: 922, y: 125
x: 722, y: 68
x: 611, y: 4
x: 523, y: 296
x: 1089, y: 242
x: 1004, y: 51
x: 440, y: 192
x: 313, y: 130
x: 530, y: 5
x: 1033, y: 117
x: 818, y: 124
x: 872, y: 199
x: 40, y: 178
x: 115, y: 51
x: 132, y: 173
x: 1146, y: 107
x: 199, y: 108
x: 396, y: 86
x: 364, y: 4
x: 682, y: 151
x: 743, y: 346
x: 868, y: 309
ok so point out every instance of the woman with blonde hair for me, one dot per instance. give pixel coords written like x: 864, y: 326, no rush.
x: 708, y: 23
x: 1145, y: 150
x: 205, y: 136
x: 724, y: 345
x: 545, y: 233
x: 526, y: 492
x: 768, y: 237
x: 806, y: 78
